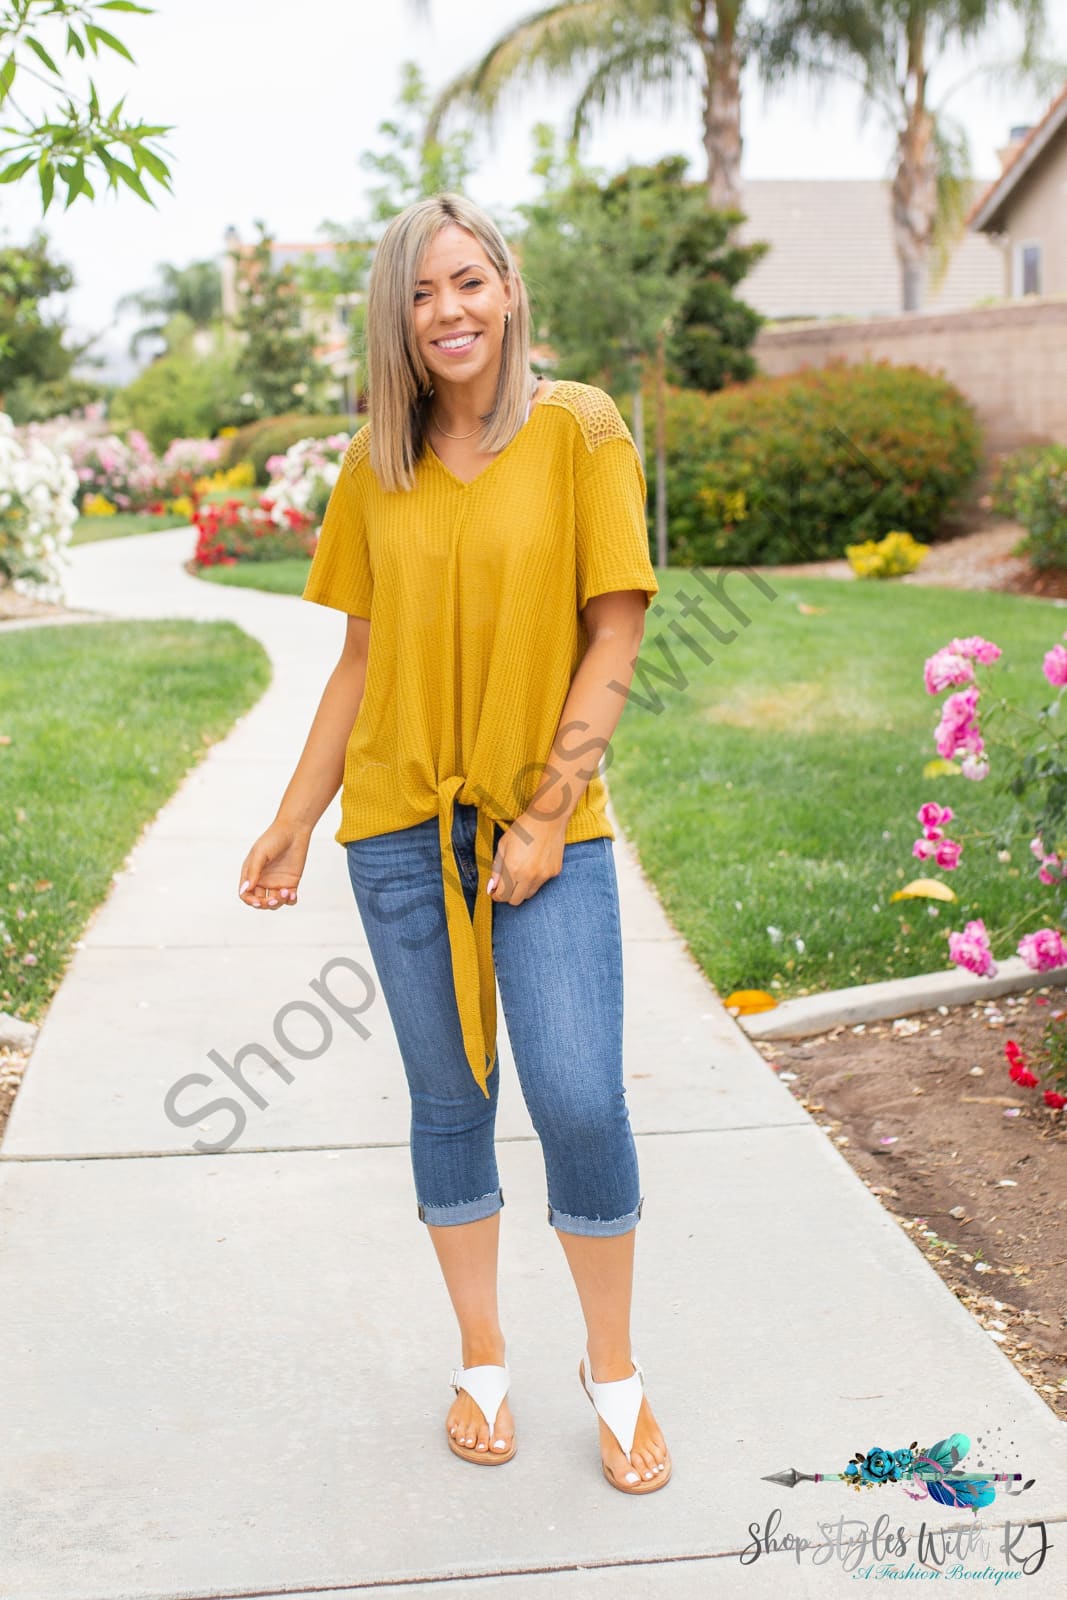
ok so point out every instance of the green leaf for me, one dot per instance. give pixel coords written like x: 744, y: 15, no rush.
x: 47, y: 175
x: 7, y: 75
x: 92, y: 32
x: 123, y: 5
x: 15, y: 171
x: 119, y: 169
x: 42, y: 54
x: 147, y: 158
x: 74, y: 43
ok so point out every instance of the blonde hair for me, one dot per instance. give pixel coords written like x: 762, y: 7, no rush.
x: 400, y: 385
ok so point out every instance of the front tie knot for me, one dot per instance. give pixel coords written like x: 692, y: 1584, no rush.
x: 470, y: 939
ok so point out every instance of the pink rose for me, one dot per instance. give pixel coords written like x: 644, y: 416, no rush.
x: 970, y: 949
x: 1043, y: 950
x: 948, y: 853
x: 1055, y: 666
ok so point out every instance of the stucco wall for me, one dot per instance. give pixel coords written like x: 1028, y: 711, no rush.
x: 1010, y: 360
x: 1037, y: 211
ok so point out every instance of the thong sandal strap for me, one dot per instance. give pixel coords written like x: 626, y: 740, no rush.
x: 619, y: 1403
x: 486, y: 1385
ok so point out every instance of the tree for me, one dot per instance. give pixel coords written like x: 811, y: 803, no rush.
x: 277, y: 358
x: 184, y: 393
x: 611, y: 270
x: 194, y: 291
x: 35, y: 358
x: 710, y: 337
x: 623, y: 49
x: 76, y: 134
x: 412, y: 164
x: 892, y: 47
x: 408, y: 167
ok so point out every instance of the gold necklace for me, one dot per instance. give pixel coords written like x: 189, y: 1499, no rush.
x: 473, y: 431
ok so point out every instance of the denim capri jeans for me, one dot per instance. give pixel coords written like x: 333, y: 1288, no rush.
x: 558, y: 959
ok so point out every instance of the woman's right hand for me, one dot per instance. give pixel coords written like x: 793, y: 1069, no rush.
x: 272, y: 868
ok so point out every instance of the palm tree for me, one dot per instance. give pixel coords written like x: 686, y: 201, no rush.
x: 891, y: 48
x: 621, y: 49
x: 195, y: 290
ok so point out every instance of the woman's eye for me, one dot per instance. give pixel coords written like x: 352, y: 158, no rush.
x: 475, y: 281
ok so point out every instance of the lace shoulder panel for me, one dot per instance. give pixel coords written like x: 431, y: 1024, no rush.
x: 358, y: 448
x: 593, y: 409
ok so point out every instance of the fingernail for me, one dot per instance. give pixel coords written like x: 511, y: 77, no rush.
x: 490, y: 886
x: 245, y: 886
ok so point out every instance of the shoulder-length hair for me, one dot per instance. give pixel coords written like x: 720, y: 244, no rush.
x: 399, y: 383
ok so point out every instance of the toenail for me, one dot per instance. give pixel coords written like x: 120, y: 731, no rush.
x: 648, y: 1474
x: 483, y: 1445
x: 631, y: 1477
x: 500, y: 1444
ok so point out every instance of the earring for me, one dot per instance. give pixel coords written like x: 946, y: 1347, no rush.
x: 507, y: 318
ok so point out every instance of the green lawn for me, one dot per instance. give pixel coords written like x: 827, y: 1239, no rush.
x: 776, y: 785
x: 87, y: 530
x: 277, y: 577
x: 104, y: 720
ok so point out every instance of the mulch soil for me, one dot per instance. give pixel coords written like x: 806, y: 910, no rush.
x: 973, y: 1168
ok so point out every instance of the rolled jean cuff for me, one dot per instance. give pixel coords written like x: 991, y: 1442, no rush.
x: 595, y: 1226
x: 465, y: 1211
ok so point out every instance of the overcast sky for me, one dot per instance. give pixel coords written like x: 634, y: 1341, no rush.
x: 272, y: 104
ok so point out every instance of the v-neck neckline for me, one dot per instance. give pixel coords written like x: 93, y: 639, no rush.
x: 469, y: 483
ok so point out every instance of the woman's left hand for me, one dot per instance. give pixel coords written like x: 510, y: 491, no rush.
x: 530, y: 852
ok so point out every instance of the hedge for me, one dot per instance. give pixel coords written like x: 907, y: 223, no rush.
x: 792, y: 469
x: 258, y: 441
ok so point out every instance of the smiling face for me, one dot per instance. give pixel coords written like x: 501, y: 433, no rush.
x: 459, y: 305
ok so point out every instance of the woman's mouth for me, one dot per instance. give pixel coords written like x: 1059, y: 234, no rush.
x: 457, y: 344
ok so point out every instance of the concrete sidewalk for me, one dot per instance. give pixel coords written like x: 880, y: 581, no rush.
x: 227, y: 1371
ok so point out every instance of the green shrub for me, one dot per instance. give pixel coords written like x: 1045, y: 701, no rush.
x: 795, y: 468
x: 270, y: 436
x: 1032, y: 488
x: 1009, y: 468
x: 179, y: 396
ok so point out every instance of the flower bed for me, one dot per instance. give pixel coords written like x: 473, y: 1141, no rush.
x: 285, y: 522
x: 234, y: 532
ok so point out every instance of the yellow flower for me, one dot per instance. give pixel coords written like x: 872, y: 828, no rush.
x: 97, y: 505
x: 897, y: 553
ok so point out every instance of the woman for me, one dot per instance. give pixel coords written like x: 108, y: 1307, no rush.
x: 486, y: 539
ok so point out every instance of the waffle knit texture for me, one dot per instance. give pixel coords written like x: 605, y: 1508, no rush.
x: 473, y: 591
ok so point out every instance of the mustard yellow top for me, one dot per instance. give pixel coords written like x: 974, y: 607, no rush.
x: 473, y: 591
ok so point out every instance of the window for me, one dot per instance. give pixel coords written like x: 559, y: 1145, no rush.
x: 1027, y: 273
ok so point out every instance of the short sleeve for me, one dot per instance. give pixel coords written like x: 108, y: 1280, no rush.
x: 611, y: 535
x: 341, y: 574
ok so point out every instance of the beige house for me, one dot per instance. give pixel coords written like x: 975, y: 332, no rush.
x: 833, y: 253
x: 1025, y: 209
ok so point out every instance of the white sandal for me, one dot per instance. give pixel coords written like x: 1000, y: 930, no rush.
x: 619, y: 1403
x: 487, y: 1386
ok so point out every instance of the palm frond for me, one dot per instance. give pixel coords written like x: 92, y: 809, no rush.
x: 631, y: 72
x: 557, y: 39
x: 954, y: 185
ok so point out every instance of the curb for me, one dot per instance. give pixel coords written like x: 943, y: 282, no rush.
x: 869, y: 1002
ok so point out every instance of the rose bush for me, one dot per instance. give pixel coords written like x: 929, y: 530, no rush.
x: 1029, y: 765
x: 234, y: 532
